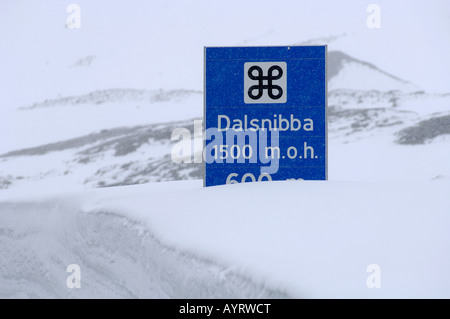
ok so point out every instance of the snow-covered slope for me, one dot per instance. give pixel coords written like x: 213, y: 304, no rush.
x: 280, y: 239
x: 346, y: 72
x: 119, y: 257
x: 366, y: 128
x: 57, y: 119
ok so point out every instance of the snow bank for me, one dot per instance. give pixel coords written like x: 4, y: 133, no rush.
x: 118, y: 257
x: 298, y: 239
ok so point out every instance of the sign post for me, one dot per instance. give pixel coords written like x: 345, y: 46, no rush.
x: 265, y: 114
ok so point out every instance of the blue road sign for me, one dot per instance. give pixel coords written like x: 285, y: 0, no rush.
x: 265, y: 114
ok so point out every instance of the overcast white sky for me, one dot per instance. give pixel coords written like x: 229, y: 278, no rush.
x: 159, y: 44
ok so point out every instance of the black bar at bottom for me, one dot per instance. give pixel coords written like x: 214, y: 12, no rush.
x: 219, y: 308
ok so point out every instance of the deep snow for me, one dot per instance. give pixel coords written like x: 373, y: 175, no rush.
x: 281, y: 239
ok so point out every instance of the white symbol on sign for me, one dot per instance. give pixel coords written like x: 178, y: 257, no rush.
x: 265, y: 82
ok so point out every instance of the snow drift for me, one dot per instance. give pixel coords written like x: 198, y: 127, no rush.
x: 279, y: 239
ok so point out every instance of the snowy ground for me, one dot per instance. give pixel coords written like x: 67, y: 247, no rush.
x: 280, y: 239
x: 118, y: 254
